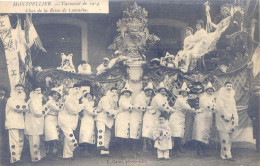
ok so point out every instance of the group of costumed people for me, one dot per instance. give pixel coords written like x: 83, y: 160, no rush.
x: 148, y: 116
x: 85, y: 68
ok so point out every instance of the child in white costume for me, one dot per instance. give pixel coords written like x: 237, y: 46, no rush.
x: 14, y: 122
x: 68, y: 120
x: 162, y: 138
x: 51, y: 129
x: 84, y: 68
x: 103, y: 67
x: 87, y: 126
x: 67, y: 63
x: 34, y: 124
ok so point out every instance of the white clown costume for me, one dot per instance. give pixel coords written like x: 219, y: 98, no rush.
x: 14, y: 123
x: 159, y: 103
x: 68, y: 120
x: 67, y: 67
x: 203, y: 118
x: 34, y: 126
x: 122, y: 122
x: 141, y: 103
x: 163, y: 141
x: 84, y: 69
x: 87, y: 125
x: 101, y: 68
x: 226, y: 120
x: 105, y: 120
x: 51, y: 110
x: 177, y: 118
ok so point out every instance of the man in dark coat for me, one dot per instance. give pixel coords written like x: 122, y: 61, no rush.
x: 3, y: 140
x: 254, y: 110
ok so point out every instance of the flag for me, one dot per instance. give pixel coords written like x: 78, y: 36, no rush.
x: 31, y: 34
x: 20, y: 42
x: 8, y: 36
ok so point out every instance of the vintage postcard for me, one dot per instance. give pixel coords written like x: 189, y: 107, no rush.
x: 129, y: 82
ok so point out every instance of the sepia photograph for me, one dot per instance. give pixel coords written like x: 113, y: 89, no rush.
x: 129, y: 83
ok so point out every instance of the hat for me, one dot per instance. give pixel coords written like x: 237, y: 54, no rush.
x: 85, y: 88
x: 161, y: 86
x: 168, y: 55
x: 18, y: 85
x: 184, y: 87
x: 149, y: 86
x: 106, y: 59
x: 189, y: 28
x: 155, y: 60
x: 113, y: 88
x: 58, y: 89
x: 35, y: 86
x: 126, y: 88
x: 226, y: 7
x: 118, y: 52
x: 209, y: 86
x: 201, y: 22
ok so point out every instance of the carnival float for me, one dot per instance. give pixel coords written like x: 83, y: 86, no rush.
x: 223, y: 53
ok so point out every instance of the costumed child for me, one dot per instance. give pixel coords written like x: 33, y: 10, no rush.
x: 177, y: 119
x: 203, y: 119
x: 162, y: 138
x: 84, y: 68
x: 169, y: 61
x: 14, y: 122
x: 67, y: 63
x: 103, y: 67
x: 87, y: 134
x: 51, y: 129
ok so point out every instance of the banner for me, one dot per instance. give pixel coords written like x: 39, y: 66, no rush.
x: 8, y: 35
x: 57, y: 6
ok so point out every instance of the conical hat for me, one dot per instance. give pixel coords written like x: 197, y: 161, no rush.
x: 184, y: 87
x: 127, y: 88
x: 106, y: 59
x: 85, y: 88
x: 149, y: 86
x: 118, y: 52
x: 161, y: 86
x: 58, y: 89
x: 209, y: 86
